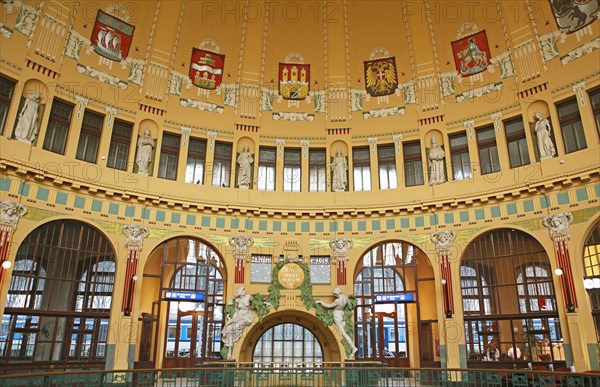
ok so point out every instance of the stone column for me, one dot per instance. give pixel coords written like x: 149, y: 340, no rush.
x: 10, y: 213
x: 340, y: 255
x: 558, y: 225
x: 241, y: 246
x: 134, y: 241
x: 443, y: 246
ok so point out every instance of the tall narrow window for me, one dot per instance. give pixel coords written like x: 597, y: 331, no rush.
x: 362, y: 169
x: 413, y: 165
x: 222, y: 164
x: 595, y: 98
x: 488, y: 151
x: 266, y: 169
x: 459, y: 150
x: 571, y: 126
x: 517, y: 142
x: 317, y: 169
x: 58, y: 127
x: 89, y: 138
x: 7, y: 88
x: 169, y: 156
x: 291, y: 170
x: 386, y: 158
x: 194, y: 170
x: 118, y: 153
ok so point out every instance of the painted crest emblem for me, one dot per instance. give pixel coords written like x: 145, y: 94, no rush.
x: 381, y: 77
x: 471, y: 54
x: 573, y: 15
x: 111, y: 36
x: 206, y: 69
x: 294, y: 80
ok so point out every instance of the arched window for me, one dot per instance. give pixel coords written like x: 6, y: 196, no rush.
x: 591, y: 267
x: 59, y: 297
x: 509, y: 298
x: 194, y: 327
x: 288, y: 343
x: 386, y: 270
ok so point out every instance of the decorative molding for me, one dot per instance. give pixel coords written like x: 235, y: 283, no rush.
x: 212, y: 135
x: 81, y: 102
x: 385, y: 112
x: 135, y: 235
x: 304, y: 144
x: 549, y: 45
x: 204, y: 106
x: 267, y: 97
x: 379, y: 52
x: 409, y: 90
x: 26, y: 19
x: 443, y: 241
x: 580, y: 51
x: 504, y: 61
x: 11, y: 213
x: 479, y: 92
x: 469, y: 125
x: 112, y: 112
x: 176, y: 82
x: 356, y: 99
x: 495, y: 117
x: 290, y: 116
x: 398, y: 140
x: 75, y: 42
x: 5, y: 31
x: 136, y: 70
x: 579, y: 88
x: 280, y: 144
x: 447, y: 82
x: 185, y: 131
x: 558, y: 225
x: 231, y: 92
x: 101, y: 76
x: 319, y: 98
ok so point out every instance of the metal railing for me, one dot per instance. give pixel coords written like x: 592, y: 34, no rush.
x: 230, y: 374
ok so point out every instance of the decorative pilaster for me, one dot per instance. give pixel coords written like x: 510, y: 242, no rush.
x: 340, y: 255
x: 112, y: 113
x: 372, y: 144
x: 558, y: 225
x: 10, y: 213
x: 212, y: 135
x: 241, y: 246
x: 496, y: 117
x: 186, y: 134
x: 443, y: 247
x: 134, y: 242
x: 469, y: 125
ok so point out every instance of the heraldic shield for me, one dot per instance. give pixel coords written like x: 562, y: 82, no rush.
x: 294, y: 80
x: 206, y: 69
x: 381, y: 76
x: 111, y: 36
x: 471, y: 54
x: 573, y: 15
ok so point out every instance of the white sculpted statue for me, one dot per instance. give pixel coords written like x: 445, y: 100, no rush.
x: 341, y: 248
x: 243, y: 316
x: 338, y: 306
x: 145, y: 151
x: 27, y: 125
x: 11, y: 212
x: 135, y: 235
x: 443, y: 240
x: 339, y: 166
x: 437, y: 174
x: 244, y: 161
x: 544, y: 141
x: 558, y: 224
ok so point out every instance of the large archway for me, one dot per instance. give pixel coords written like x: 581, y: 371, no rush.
x: 59, y: 299
x: 314, y: 342
x: 181, y: 330
x: 393, y: 324
x: 509, y: 302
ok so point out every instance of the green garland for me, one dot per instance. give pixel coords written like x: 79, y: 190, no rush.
x: 261, y: 304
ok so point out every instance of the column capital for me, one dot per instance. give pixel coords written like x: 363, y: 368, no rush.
x: 11, y: 213
x: 135, y: 235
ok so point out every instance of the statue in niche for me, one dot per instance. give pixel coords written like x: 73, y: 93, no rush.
x: 244, y: 162
x: 27, y: 125
x: 437, y: 174
x: 544, y: 140
x: 339, y: 167
x: 341, y: 300
x: 145, y: 150
x: 243, y: 316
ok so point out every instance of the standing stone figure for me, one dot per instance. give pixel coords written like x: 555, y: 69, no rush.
x: 243, y: 316
x: 437, y: 174
x: 145, y: 150
x: 339, y: 167
x: 27, y: 126
x: 544, y: 141
x: 244, y: 161
x: 338, y: 306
